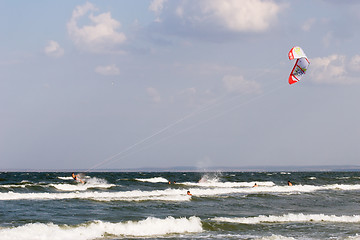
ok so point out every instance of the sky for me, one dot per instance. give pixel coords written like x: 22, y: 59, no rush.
x: 159, y: 83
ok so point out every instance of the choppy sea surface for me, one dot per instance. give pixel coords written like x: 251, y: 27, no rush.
x: 143, y: 205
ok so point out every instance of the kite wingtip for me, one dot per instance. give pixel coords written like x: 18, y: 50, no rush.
x: 291, y: 80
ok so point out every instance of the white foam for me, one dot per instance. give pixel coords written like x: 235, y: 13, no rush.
x: 17, y: 186
x: 341, y: 178
x: 275, y: 237
x: 342, y: 187
x: 150, y: 227
x: 356, y: 237
x: 242, y: 236
x: 291, y: 218
x: 217, y: 184
x: 153, y: 180
x: 172, y: 194
x: 64, y: 186
x: 297, y: 189
x: 90, y: 183
x: 136, y: 195
x: 65, y: 178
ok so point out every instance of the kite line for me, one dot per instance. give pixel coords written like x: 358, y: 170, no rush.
x: 219, y: 101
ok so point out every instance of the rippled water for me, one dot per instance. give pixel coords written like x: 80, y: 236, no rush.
x: 117, y: 205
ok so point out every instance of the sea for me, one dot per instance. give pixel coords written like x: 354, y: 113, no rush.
x: 144, y: 205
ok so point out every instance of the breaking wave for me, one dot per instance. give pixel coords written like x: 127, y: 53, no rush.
x: 286, y: 218
x: 77, y: 191
x: 150, y: 227
x: 217, y: 184
x: 74, y: 186
x: 65, y: 178
x: 135, y: 195
x: 90, y: 183
x: 153, y: 180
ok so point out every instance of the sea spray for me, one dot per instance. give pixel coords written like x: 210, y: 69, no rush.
x: 89, y: 184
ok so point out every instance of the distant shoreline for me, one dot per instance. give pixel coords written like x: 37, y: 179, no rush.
x: 330, y: 168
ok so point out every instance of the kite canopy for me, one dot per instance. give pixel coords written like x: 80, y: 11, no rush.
x: 301, y: 65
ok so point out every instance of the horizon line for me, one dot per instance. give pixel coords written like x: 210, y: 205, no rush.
x: 306, y: 168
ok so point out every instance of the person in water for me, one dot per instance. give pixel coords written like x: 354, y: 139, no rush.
x: 188, y: 193
x: 255, y: 185
x: 77, y: 178
x: 289, y: 183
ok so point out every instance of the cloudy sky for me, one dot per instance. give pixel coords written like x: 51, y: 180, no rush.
x: 160, y: 83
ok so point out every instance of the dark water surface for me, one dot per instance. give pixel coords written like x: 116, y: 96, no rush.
x: 135, y: 205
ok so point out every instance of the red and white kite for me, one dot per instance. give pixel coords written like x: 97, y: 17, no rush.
x: 301, y: 65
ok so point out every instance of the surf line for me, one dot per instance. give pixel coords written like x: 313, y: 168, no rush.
x: 217, y: 102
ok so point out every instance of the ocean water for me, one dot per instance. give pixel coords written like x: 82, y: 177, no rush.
x: 143, y: 205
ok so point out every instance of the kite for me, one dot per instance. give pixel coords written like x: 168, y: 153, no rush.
x: 301, y: 65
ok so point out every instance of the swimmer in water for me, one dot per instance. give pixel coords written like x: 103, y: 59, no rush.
x: 289, y: 183
x: 77, y: 178
x: 255, y: 185
x: 188, y: 193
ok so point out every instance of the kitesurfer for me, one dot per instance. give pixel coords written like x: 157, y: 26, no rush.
x: 77, y: 178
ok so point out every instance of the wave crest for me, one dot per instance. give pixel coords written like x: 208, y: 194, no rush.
x: 286, y: 218
x: 149, y: 227
x: 153, y: 180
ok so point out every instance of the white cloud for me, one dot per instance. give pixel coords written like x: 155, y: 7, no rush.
x: 245, y: 15
x: 231, y: 15
x: 179, y: 11
x: 334, y: 69
x: 100, y: 35
x: 110, y: 70
x: 153, y: 94
x: 308, y: 24
x: 355, y: 63
x: 157, y: 6
x: 53, y: 49
x: 240, y: 85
